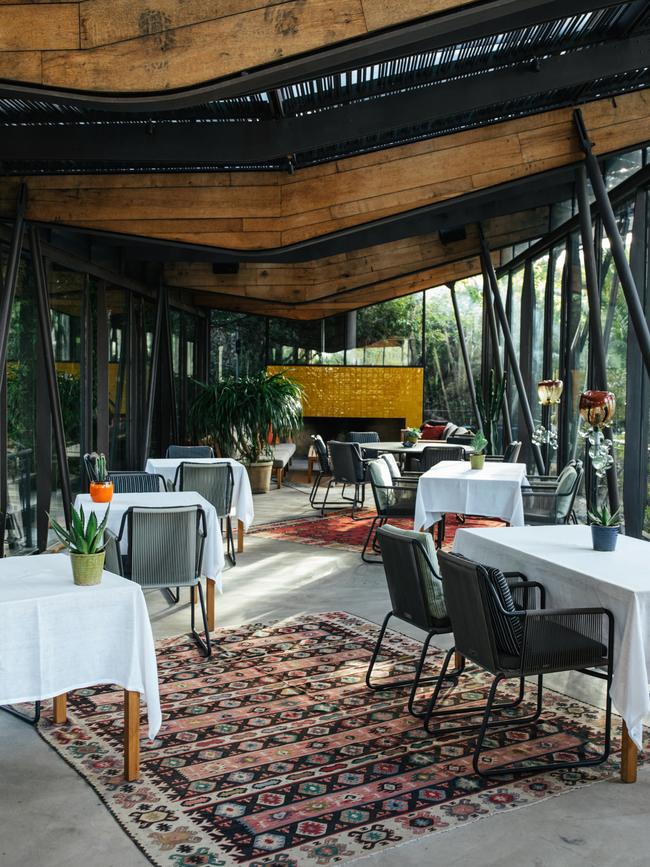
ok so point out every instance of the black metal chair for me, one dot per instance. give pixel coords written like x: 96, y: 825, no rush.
x: 165, y: 550
x: 137, y: 482
x: 399, y: 475
x: 392, y: 500
x: 215, y: 483
x: 498, y: 626
x: 189, y: 452
x: 432, y: 455
x: 510, y: 454
x: 551, y: 499
x: 324, y: 471
x: 348, y: 469
x: 416, y: 597
x: 362, y: 437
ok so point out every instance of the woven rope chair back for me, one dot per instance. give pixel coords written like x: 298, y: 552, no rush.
x: 321, y: 452
x: 346, y: 462
x: 511, y: 453
x: 215, y: 483
x: 165, y: 546
x: 363, y: 436
x: 189, y: 452
x: 113, y: 559
x: 137, y: 483
x: 403, y: 560
x: 434, y: 455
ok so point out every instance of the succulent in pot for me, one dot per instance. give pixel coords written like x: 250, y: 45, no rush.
x: 410, y: 436
x: 101, y: 487
x: 477, y: 455
x: 84, y: 539
x: 605, y: 527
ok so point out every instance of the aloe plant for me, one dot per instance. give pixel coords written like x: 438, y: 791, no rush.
x: 84, y: 536
x: 603, y: 517
x: 489, y: 407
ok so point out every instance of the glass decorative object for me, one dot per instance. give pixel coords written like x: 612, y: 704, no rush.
x: 549, y: 392
x: 597, y: 408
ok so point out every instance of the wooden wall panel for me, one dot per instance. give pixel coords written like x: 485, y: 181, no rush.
x: 39, y: 27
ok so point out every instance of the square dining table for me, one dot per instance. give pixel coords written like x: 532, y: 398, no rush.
x: 575, y: 576
x: 242, y: 496
x: 213, y: 554
x: 56, y: 637
x: 454, y: 487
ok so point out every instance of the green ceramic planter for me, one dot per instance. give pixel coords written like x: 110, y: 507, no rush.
x: 477, y: 461
x: 87, y: 568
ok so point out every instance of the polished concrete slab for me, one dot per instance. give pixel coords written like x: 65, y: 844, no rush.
x: 49, y: 815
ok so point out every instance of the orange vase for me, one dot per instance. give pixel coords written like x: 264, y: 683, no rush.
x: 101, y: 492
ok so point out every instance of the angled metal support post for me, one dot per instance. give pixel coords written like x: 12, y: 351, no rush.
x: 45, y: 332
x: 623, y: 269
x: 598, y: 356
x: 510, y: 349
x: 9, y: 288
x: 496, y: 355
x: 465, y: 354
x: 153, y: 378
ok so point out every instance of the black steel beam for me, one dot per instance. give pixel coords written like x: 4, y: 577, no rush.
x: 598, y: 359
x: 510, y: 349
x: 488, y: 307
x: 45, y: 333
x: 635, y: 308
x: 468, y: 366
x: 153, y: 377
x: 11, y: 274
x: 438, y: 31
x: 238, y: 142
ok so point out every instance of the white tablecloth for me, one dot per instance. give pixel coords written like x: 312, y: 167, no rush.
x: 213, y: 556
x: 576, y: 576
x: 56, y: 637
x: 453, y: 486
x: 242, y: 496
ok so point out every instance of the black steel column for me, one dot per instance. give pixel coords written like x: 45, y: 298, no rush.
x: 496, y: 355
x: 101, y: 436
x: 597, y: 355
x: 153, y: 378
x: 465, y: 354
x: 547, y: 354
x: 43, y: 450
x: 510, y: 348
x: 45, y: 329
x: 635, y: 308
x: 13, y: 262
x: 635, y: 478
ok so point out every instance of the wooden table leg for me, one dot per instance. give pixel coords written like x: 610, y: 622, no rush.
x: 131, y: 735
x: 240, y: 536
x: 310, y: 469
x: 209, y: 592
x: 59, y: 709
x: 459, y: 660
x: 628, y: 757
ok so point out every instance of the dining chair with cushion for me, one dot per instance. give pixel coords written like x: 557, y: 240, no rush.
x: 189, y: 452
x: 215, y: 483
x: 363, y: 437
x: 348, y: 469
x: 393, y: 499
x: 551, y: 500
x: 324, y: 471
x: 137, y: 483
x: 163, y: 548
x: 510, y: 454
x: 397, y: 473
x: 432, y: 455
x: 505, y: 629
x: 416, y: 597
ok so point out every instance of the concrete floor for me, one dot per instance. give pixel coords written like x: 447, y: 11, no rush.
x: 49, y: 815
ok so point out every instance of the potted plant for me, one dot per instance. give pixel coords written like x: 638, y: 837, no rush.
x: 410, y: 436
x: 101, y: 488
x: 605, y: 528
x: 242, y: 417
x: 477, y: 455
x: 85, y: 542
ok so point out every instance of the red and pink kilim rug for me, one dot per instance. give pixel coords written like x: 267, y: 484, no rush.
x: 340, y: 531
x: 273, y: 752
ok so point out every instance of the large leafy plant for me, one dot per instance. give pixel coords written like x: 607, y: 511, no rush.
x: 238, y: 415
x: 83, y: 537
x: 490, y: 401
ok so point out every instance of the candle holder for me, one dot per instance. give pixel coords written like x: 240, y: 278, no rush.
x: 549, y: 392
x: 597, y: 408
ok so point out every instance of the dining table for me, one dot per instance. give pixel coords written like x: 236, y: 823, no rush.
x: 398, y: 448
x: 494, y: 491
x: 56, y: 637
x: 213, y: 553
x: 575, y: 576
x: 242, y: 495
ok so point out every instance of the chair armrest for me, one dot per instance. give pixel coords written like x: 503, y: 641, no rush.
x: 515, y: 575
x: 522, y: 589
x: 538, y: 493
x: 493, y: 458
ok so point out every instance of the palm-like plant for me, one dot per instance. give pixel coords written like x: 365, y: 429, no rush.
x: 489, y: 406
x: 83, y: 537
x: 238, y: 415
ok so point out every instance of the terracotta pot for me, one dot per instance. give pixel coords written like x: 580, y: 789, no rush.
x: 477, y: 461
x: 87, y: 568
x: 101, y: 492
x: 259, y: 475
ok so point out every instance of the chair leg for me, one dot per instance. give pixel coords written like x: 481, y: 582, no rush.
x: 32, y: 720
x: 358, y: 502
x: 314, y: 488
x: 204, y: 646
x: 230, y: 541
x: 327, y: 493
x: 174, y: 598
x: 367, y: 542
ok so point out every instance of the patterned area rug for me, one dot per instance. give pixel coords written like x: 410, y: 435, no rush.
x: 275, y: 753
x: 340, y: 531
